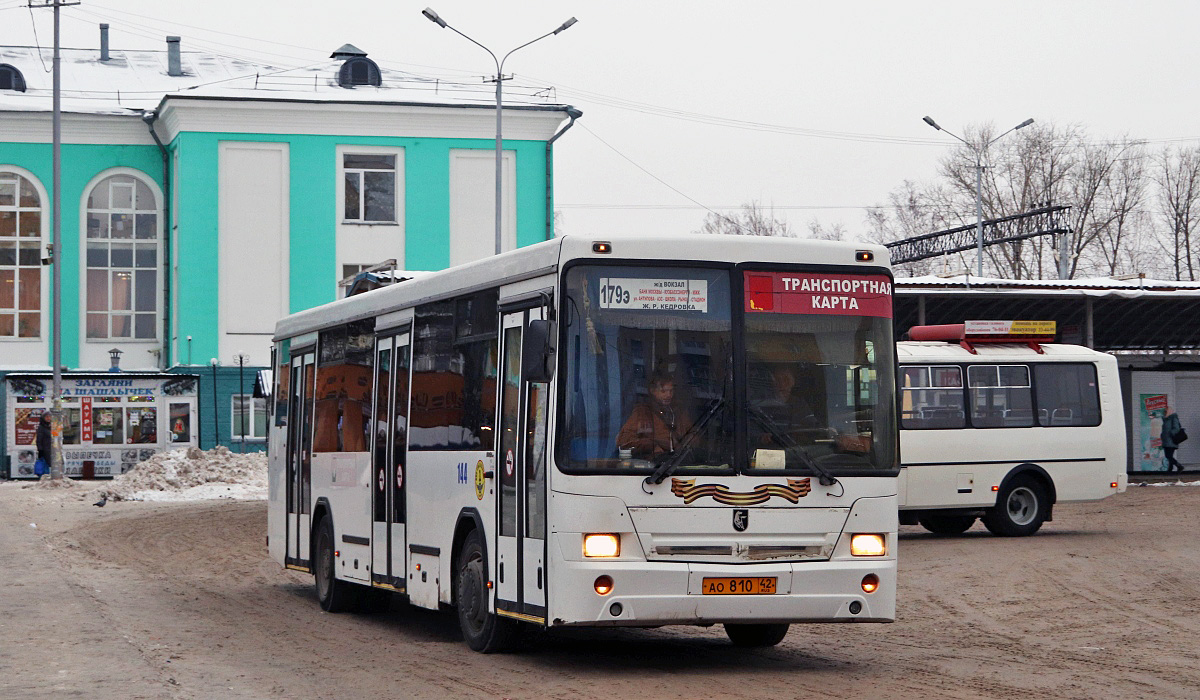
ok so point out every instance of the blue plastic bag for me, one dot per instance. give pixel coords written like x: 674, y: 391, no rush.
x: 40, y: 468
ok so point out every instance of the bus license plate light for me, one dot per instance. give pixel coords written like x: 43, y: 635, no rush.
x: 738, y: 585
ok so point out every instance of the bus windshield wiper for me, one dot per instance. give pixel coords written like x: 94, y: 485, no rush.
x: 673, y: 459
x: 823, y: 475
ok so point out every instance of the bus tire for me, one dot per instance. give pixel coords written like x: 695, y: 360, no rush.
x: 482, y: 631
x: 1020, y: 509
x: 756, y: 635
x: 334, y: 596
x: 946, y: 524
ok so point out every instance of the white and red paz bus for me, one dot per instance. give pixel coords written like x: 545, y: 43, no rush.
x: 597, y: 433
x: 999, y: 423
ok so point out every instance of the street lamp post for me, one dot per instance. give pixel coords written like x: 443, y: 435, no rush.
x: 978, y: 152
x: 433, y: 17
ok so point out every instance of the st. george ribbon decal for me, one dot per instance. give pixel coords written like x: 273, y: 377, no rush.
x: 689, y: 491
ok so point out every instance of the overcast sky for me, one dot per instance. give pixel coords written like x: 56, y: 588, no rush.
x: 813, y: 108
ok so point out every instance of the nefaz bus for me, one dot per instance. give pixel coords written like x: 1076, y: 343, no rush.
x: 999, y: 423
x: 637, y: 432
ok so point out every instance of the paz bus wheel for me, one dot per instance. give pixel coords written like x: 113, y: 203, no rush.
x: 947, y: 524
x: 483, y: 631
x: 756, y: 635
x: 1020, y: 509
x: 333, y: 595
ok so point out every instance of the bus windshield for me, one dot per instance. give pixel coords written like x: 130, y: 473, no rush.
x: 665, y: 364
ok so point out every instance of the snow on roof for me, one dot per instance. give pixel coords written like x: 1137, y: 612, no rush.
x: 132, y: 81
x: 1093, y: 286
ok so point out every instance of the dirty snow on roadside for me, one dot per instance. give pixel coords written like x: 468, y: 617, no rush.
x: 1181, y: 482
x: 191, y: 475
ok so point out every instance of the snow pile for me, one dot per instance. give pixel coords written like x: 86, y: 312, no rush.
x: 1181, y: 482
x: 192, y: 475
x: 45, y: 482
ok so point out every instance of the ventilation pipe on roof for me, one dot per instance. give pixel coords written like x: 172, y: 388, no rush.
x: 174, y: 67
x: 104, y: 42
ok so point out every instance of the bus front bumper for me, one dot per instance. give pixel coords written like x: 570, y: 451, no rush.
x: 657, y: 593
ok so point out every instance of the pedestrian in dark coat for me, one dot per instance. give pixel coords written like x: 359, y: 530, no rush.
x: 1170, y: 430
x: 44, y: 442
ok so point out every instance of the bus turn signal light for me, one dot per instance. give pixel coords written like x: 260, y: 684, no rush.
x: 604, y: 585
x: 870, y: 583
x: 601, y: 546
x: 1113, y: 485
x: 868, y: 546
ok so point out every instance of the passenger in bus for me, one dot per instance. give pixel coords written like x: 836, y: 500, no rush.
x: 783, y: 411
x: 655, y: 426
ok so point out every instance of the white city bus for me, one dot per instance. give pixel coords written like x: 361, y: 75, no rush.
x: 454, y: 438
x: 998, y: 423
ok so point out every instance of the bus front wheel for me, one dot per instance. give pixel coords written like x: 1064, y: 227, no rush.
x: 1020, y: 509
x: 947, y: 524
x: 483, y: 631
x: 334, y: 596
x: 756, y: 635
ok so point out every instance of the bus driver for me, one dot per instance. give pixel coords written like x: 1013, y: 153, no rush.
x: 655, y: 426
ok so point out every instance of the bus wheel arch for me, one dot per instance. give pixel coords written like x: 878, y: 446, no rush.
x: 1024, y: 501
x: 468, y: 521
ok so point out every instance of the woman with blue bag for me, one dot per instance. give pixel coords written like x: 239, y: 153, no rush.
x: 43, y: 445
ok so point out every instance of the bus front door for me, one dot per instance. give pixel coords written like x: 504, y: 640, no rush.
x: 389, y: 443
x: 521, y: 463
x: 299, y: 491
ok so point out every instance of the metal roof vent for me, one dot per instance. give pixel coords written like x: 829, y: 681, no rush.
x: 11, y: 78
x: 356, y: 69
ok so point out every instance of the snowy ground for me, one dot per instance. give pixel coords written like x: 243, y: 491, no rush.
x: 180, y: 475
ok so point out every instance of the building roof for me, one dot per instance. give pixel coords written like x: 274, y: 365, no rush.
x: 132, y: 81
x: 1124, y: 315
x: 1095, y: 286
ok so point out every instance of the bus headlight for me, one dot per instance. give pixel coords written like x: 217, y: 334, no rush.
x: 868, y: 545
x: 601, y: 546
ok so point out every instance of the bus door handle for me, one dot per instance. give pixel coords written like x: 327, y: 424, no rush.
x: 489, y: 474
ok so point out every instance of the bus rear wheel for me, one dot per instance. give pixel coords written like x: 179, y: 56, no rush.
x: 483, y: 631
x: 1020, y: 509
x: 334, y: 596
x: 756, y: 635
x: 947, y: 524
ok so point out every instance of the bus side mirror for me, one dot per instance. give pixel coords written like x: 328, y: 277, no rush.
x: 539, y: 351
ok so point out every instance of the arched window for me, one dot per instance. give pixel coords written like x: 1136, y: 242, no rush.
x: 122, y: 259
x: 20, y: 258
x: 11, y: 78
x: 359, y: 70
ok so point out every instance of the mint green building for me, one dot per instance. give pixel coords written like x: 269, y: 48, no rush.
x: 204, y: 198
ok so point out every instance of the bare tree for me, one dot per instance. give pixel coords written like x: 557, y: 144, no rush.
x: 1103, y: 183
x: 751, y: 220
x: 821, y: 232
x: 1178, y: 177
x: 913, y: 210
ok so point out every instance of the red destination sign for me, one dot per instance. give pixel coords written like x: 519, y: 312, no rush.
x: 85, y: 427
x: 815, y: 293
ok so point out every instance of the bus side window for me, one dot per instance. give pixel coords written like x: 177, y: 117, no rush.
x: 1067, y: 395
x: 343, y: 387
x: 931, y: 397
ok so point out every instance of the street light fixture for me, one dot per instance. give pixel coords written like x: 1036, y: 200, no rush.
x: 433, y: 17
x: 978, y: 152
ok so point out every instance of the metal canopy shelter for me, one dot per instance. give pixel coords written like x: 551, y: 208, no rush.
x: 1105, y: 314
